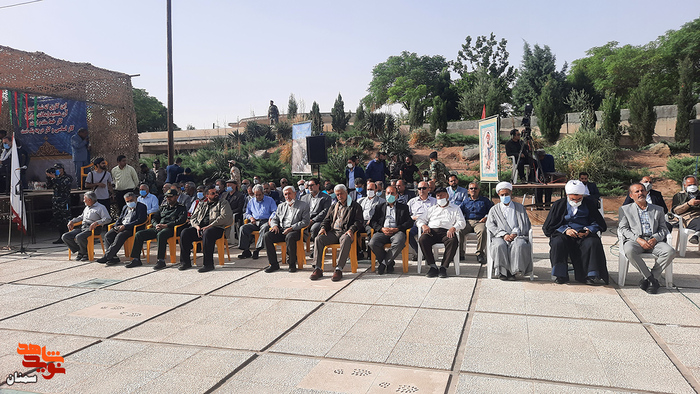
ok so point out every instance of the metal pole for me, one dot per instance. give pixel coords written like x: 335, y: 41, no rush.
x: 171, y: 144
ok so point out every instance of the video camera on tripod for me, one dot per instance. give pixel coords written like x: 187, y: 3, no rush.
x: 527, y: 132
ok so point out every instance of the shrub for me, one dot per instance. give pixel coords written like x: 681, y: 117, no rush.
x: 374, y: 123
x: 616, y: 182
x: 421, y: 137
x: 678, y: 147
x: 550, y: 110
x: 642, y: 114
x: 610, y: 127
x: 283, y: 131
x: 338, y: 156
x: 260, y: 143
x: 584, y: 151
x: 679, y: 167
x: 365, y: 144
x: 444, y: 140
x: 254, y: 130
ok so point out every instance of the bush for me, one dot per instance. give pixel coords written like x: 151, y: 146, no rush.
x: 374, y: 123
x: 338, y: 156
x: 642, y: 114
x: 365, y: 144
x: 444, y: 140
x: 421, y: 137
x: 679, y: 167
x: 392, y: 141
x: 260, y: 143
x: 283, y: 131
x: 610, y: 128
x: 584, y: 151
x: 254, y: 130
x: 678, y: 147
x: 618, y: 181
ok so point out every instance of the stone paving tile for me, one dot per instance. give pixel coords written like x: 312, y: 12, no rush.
x: 685, y: 344
x: 266, y: 375
x: 60, y: 318
x: 686, y: 274
x: 16, y: 298
x: 285, y: 285
x: 611, y: 354
x: 238, y: 323
x: 667, y: 307
x: 488, y: 384
x: 187, y: 282
x: 26, y: 268
x: 89, y: 271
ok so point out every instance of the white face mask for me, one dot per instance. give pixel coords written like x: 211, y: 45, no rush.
x: 692, y: 189
x: 575, y: 204
x: 442, y: 202
x: 302, y: 187
x: 647, y: 185
x: 350, y: 166
x: 371, y: 193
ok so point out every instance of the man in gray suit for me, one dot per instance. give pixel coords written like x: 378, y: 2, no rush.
x: 319, y: 203
x: 643, y: 229
x: 285, y: 226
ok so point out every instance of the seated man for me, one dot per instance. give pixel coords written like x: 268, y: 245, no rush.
x: 380, y: 189
x: 643, y: 229
x: 200, y: 197
x: 653, y: 196
x: 208, y: 222
x: 319, y: 203
x: 457, y: 193
x: 440, y: 223
x: 390, y: 221
x: 510, y: 226
x: 94, y: 216
x: 418, y: 206
x: 340, y: 226
x: 403, y: 194
x: 236, y: 200
x: 475, y: 209
x: 686, y: 204
x: 359, y: 191
x: 572, y: 225
x: 163, y: 224
x: 368, y: 204
x: 285, y: 226
x: 258, y: 212
x: 148, y: 199
x: 133, y: 213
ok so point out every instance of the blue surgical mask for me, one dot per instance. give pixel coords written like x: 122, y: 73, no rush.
x: 131, y: 204
x: 200, y: 195
x: 359, y: 189
x: 505, y: 199
x: 229, y: 189
x: 58, y: 172
x: 182, y: 188
x: 143, y: 193
x: 6, y: 146
x: 390, y: 198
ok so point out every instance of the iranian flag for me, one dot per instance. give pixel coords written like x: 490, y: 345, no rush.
x: 19, y: 215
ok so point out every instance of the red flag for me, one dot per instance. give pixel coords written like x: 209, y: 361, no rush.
x: 483, y: 112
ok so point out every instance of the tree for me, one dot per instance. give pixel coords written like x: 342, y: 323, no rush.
x: 339, y: 120
x: 292, y: 107
x: 686, y: 100
x: 316, y: 121
x: 579, y: 100
x: 359, y: 116
x: 550, y: 109
x: 438, y: 118
x: 610, y: 127
x: 151, y: 114
x: 538, y: 66
x: 484, y: 91
x: 416, y: 116
x: 642, y: 114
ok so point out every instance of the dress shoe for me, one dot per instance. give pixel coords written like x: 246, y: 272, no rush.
x: 292, y: 267
x: 185, y: 266
x: 337, y: 275
x: 256, y: 254
x: 443, y: 272
x: 511, y: 277
x: 101, y: 260
x: 58, y: 241
x: 84, y: 258
x: 432, y: 272
x: 644, y: 284
x: 114, y: 261
x: 134, y: 263
x: 561, y: 280
x: 390, y: 267
x: 78, y: 256
x: 245, y: 255
x: 480, y: 258
x: 653, y: 285
x: 381, y: 268
x: 590, y: 280
x: 272, y: 268
x: 160, y: 265
x: 503, y: 277
x: 317, y: 274
x: 206, y: 268
x: 694, y: 239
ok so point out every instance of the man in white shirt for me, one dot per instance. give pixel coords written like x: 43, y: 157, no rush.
x: 125, y: 180
x: 418, y: 206
x: 440, y: 224
x: 94, y: 216
x: 100, y: 180
x: 148, y: 199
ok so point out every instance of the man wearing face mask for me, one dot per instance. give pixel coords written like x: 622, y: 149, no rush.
x: 236, y: 199
x: 340, y: 226
x: 133, y: 213
x: 148, y: 199
x: 200, y: 197
x: 686, y: 204
x: 360, y: 190
x: 187, y: 195
x: 509, y: 225
x: 60, y: 182
x: 417, y: 206
x: 285, y: 226
x: 319, y: 203
x: 273, y: 193
x: 390, y: 221
x: 572, y: 226
x: 302, y: 189
x: 440, y: 224
x: 258, y: 213
x: 100, y: 181
x: 368, y: 204
x: 352, y: 172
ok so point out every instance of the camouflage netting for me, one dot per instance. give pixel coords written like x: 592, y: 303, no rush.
x: 107, y: 94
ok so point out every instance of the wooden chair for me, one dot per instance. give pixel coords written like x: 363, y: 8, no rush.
x: 404, y: 253
x: 334, y: 253
x: 91, y: 244
x: 301, y: 256
x: 221, y: 245
x: 172, y: 241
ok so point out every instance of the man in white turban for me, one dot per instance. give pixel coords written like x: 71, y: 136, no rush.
x: 572, y: 226
x: 509, y: 225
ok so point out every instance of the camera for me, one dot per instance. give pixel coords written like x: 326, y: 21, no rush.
x: 50, y: 170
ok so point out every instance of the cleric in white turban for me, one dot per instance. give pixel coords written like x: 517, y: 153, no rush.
x: 509, y: 229
x: 572, y: 226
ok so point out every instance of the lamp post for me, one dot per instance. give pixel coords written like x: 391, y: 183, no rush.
x: 171, y: 144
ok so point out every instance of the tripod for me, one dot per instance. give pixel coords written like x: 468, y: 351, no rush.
x: 528, y: 143
x: 22, y: 212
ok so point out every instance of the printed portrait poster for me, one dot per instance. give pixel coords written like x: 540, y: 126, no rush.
x: 300, y: 161
x: 488, y: 149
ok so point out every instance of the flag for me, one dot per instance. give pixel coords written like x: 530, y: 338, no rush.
x: 483, y: 112
x: 19, y: 215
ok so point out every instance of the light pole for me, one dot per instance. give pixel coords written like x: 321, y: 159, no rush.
x: 171, y: 144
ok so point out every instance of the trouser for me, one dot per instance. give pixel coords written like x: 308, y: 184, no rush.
x: 78, y: 172
x: 436, y: 236
x: 290, y: 239
x: 61, y: 213
x: 663, y: 252
x: 77, y: 239
x: 208, y: 238
x: 694, y: 224
x: 546, y: 193
x: 412, y: 238
x: 315, y: 228
x: 119, y: 196
x: 474, y: 226
x: 586, y: 254
x: 247, y: 234
x: 148, y: 234
x: 114, y: 240
x: 331, y: 238
x: 397, y: 241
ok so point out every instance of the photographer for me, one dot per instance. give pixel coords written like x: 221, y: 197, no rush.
x: 60, y: 182
x: 520, y: 150
x: 686, y: 204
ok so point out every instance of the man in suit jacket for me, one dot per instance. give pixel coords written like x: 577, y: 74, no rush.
x: 319, y: 203
x: 591, y: 188
x: 285, y: 226
x: 352, y: 172
x: 343, y: 221
x: 643, y: 229
x: 390, y: 221
x: 653, y: 196
x: 132, y: 214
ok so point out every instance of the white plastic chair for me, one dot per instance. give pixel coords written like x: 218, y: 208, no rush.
x: 624, y: 263
x: 600, y: 209
x: 435, y: 248
x: 489, y: 258
x: 683, y: 235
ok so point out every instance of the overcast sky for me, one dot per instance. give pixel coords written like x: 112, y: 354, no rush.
x: 231, y: 57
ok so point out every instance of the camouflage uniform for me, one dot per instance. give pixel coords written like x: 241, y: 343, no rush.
x: 60, y: 202
x: 439, y: 172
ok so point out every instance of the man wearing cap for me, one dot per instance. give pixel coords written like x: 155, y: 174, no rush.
x: 133, y: 214
x: 285, y: 226
x: 390, y: 221
x: 234, y: 171
x: 100, y: 181
x: 475, y: 208
x: 438, y: 171
x: 81, y: 156
x: 440, y: 224
x: 60, y: 182
x: 236, y: 200
x: 509, y: 225
x: 163, y: 224
x: 572, y: 226
x: 148, y: 199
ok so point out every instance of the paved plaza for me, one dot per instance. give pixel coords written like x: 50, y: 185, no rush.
x: 241, y: 330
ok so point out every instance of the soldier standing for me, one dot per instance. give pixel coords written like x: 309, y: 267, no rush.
x: 438, y: 171
x: 273, y: 114
x: 60, y: 182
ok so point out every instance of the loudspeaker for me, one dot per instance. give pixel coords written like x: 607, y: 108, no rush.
x: 316, y: 149
x: 695, y: 137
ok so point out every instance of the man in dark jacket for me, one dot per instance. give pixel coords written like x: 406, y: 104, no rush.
x: 353, y: 172
x: 133, y: 213
x: 390, y: 221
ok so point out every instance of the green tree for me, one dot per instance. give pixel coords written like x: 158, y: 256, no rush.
x: 642, y: 114
x: 610, y: 127
x: 292, y: 107
x: 359, y: 116
x: 151, y: 114
x: 339, y: 120
x: 438, y: 118
x: 538, y: 66
x: 550, y: 109
x: 580, y: 101
x: 686, y: 99
x: 483, y: 91
x: 316, y: 120
x: 416, y: 116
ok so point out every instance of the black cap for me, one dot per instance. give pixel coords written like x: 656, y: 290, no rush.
x: 440, y: 190
x: 171, y: 192
x: 433, y: 155
x: 98, y: 160
x: 58, y: 165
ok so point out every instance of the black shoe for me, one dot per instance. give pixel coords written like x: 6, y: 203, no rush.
x: 84, y: 258
x: 114, y: 261
x: 432, y: 272
x: 443, y: 272
x: 511, y: 277
x: 272, y: 268
x: 381, y: 268
x: 390, y: 267
x: 292, y: 267
x: 206, y: 268
x: 561, y: 280
x: 58, y: 241
x: 644, y: 284
x: 160, y: 265
x: 590, y: 280
x: 101, y: 260
x: 503, y: 277
x: 256, y: 254
x: 245, y: 255
x: 184, y: 266
x: 78, y: 256
x: 693, y: 240
x: 134, y: 263
x: 653, y: 285
x: 480, y: 258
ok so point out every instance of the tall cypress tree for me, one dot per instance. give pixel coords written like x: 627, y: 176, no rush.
x: 292, y: 107
x: 339, y: 120
x: 316, y: 121
x: 686, y: 100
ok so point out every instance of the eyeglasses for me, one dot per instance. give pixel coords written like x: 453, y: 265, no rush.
x: 473, y: 188
x: 422, y: 188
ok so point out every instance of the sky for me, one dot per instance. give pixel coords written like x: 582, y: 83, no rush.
x: 230, y: 58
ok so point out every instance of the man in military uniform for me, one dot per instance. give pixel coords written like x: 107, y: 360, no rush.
x: 438, y: 171
x: 273, y: 113
x: 60, y: 182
